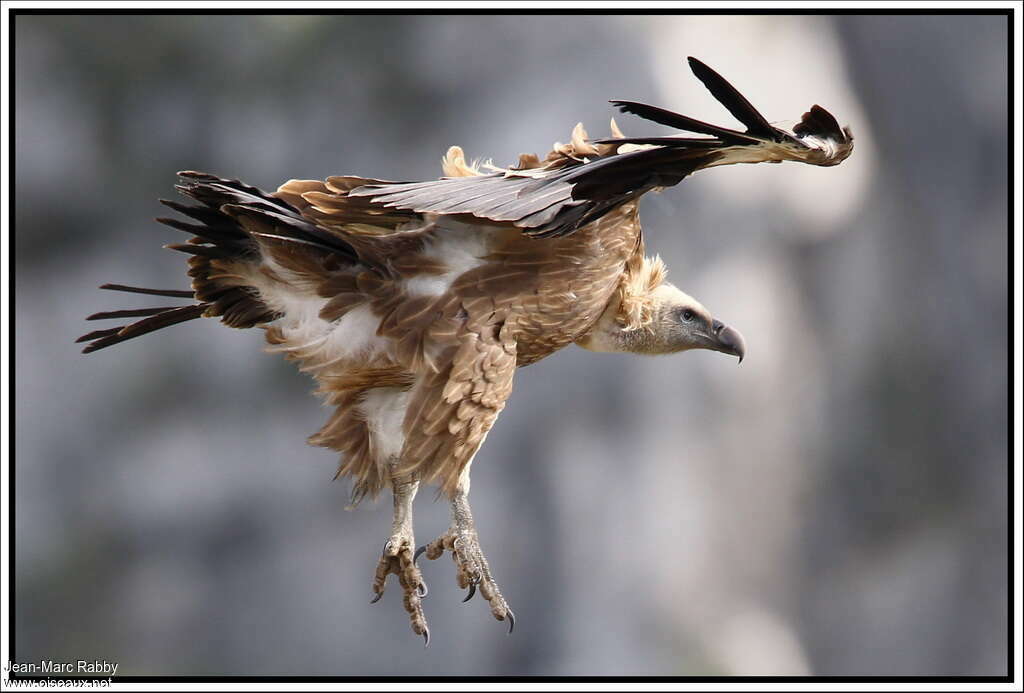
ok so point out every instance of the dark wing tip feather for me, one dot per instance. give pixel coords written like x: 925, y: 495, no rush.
x: 681, y: 122
x: 131, y: 313
x: 288, y: 240
x: 221, y: 235
x: 737, y: 104
x: 172, y: 293
x: 100, y: 339
x: 176, y: 223
x: 685, y: 142
x: 212, y: 252
x: 98, y: 334
x: 293, y: 230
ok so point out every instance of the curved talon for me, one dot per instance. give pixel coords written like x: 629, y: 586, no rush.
x: 426, y: 637
x: 472, y: 570
x: 421, y: 590
x: 376, y: 597
x: 418, y: 553
x: 387, y: 545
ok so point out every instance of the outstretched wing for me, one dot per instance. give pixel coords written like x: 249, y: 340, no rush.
x: 569, y: 191
x: 237, y: 225
x: 549, y: 202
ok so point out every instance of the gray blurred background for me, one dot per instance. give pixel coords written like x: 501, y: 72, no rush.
x: 835, y: 505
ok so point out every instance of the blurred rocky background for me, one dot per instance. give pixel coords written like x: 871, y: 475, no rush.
x: 836, y: 505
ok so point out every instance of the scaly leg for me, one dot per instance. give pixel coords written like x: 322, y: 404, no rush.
x: 473, y: 571
x: 398, y: 557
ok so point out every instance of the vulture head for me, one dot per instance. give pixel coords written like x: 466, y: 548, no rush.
x: 677, y: 322
x: 648, y: 315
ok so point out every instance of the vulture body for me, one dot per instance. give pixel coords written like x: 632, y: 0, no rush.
x: 413, y: 303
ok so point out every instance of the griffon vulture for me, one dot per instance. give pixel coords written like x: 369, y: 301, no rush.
x: 412, y: 304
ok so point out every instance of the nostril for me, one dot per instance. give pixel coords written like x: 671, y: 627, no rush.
x: 717, y: 326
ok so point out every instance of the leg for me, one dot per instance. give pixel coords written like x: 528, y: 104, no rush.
x: 398, y: 557
x: 473, y: 570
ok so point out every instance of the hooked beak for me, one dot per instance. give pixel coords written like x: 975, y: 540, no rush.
x: 727, y: 340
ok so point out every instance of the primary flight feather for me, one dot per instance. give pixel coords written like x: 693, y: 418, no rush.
x: 413, y: 303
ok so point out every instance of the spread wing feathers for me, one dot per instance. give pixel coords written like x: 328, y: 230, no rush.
x: 237, y: 225
x: 560, y: 195
x: 158, y: 318
x: 328, y: 204
x: 727, y: 95
x: 549, y: 203
x: 451, y: 412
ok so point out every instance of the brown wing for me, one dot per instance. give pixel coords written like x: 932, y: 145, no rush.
x: 450, y: 412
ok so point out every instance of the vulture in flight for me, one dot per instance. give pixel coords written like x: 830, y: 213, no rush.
x: 413, y: 303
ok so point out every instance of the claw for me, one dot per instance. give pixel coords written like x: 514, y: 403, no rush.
x: 376, y: 597
x: 511, y: 621
x: 472, y: 591
x: 421, y: 590
x: 387, y: 545
x: 419, y: 551
x: 426, y: 637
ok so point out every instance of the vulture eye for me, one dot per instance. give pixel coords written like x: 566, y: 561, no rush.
x: 687, y: 315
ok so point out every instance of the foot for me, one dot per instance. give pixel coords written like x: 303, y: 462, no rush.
x: 397, y: 558
x: 473, y: 572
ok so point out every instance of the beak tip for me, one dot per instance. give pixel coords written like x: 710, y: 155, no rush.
x: 731, y: 342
